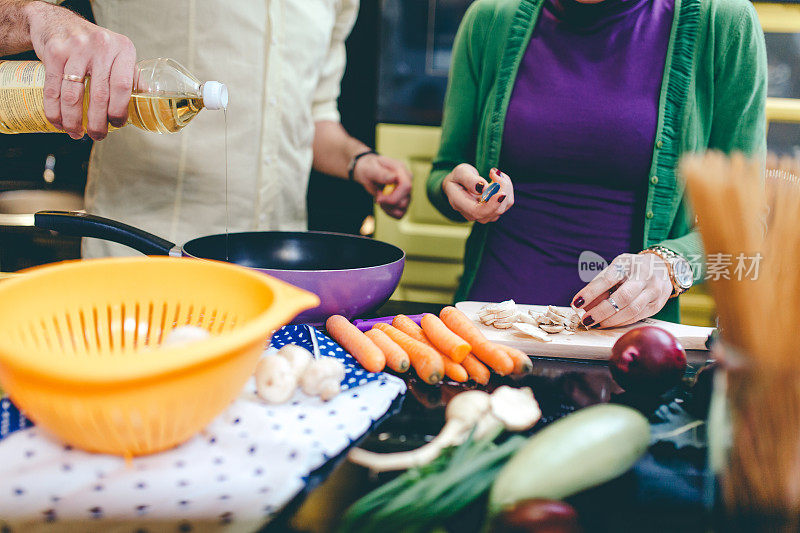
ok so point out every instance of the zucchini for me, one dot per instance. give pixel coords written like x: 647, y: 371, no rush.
x: 582, y: 450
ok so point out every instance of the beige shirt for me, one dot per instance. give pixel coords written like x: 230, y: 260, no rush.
x: 282, y: 61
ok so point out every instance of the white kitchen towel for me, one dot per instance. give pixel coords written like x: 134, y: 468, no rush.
x: 234, y: 476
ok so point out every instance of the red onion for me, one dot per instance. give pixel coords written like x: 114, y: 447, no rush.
x: 647, y: 360
x: 537, y: 516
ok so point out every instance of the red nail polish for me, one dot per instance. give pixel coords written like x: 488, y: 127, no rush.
x: 479, y: 187
x: 588, y: 321
x: 500, y: 200
x: 579, y: 302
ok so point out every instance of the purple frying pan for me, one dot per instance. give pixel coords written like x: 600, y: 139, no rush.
x: 351, y: 275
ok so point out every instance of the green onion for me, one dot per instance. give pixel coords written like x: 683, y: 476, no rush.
x: 422, y: 498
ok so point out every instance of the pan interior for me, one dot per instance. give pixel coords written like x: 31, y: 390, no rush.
x: 295, y: 250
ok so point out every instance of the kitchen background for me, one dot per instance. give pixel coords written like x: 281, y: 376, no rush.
x: 392, y: 93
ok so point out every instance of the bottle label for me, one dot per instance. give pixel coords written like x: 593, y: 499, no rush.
x: 22, y: 97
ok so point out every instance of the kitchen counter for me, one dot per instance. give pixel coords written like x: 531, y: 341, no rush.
x: 664, y: 491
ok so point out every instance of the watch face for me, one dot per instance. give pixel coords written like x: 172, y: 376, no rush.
x: 683, y: 273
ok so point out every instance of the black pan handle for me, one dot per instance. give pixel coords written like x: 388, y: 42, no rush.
x: 86, y: 225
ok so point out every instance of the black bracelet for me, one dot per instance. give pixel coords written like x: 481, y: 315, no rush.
x: 352, y: 170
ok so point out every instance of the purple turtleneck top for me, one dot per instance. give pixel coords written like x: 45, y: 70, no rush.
x: 577, y: 144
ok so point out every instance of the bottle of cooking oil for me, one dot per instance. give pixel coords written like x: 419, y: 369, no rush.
x: 165, y: 98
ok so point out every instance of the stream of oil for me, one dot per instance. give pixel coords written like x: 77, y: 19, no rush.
x: 227, y: 207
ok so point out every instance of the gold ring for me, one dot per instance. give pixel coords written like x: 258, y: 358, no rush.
x: 74, y: 77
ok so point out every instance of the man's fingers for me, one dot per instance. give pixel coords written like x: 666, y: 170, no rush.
x: 72, y: 93
x: 99, y: 93
x: 394, y: 212
x: 401, y: 190
x: 121, y: 83
x: 54, y: 73
x: 380, y: 173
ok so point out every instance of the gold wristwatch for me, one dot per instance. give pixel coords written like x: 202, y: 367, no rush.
x: 680, y: 270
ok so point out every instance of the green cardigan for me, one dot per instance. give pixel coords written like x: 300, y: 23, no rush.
x: 712, y: 95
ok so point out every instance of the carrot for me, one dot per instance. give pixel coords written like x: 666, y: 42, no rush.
x: 476, y: 370
x: 486, y: 351
x: 413, y: 330
x: 444, y: 339
x: 396, y: 357
x: 427, y: 362
x: 455, y: 371
x: 452, y: 369
x: 522, y: 363
x: 354, y: 341
x: 410, y: 328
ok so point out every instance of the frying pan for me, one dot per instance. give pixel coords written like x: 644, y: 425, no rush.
x: 351, y: 275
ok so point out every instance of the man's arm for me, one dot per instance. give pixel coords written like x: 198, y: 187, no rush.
x: 15, y: 36
x: 70, y: 45
x: 334, y: 150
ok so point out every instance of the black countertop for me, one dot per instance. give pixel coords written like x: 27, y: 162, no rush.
x: 664, y: 491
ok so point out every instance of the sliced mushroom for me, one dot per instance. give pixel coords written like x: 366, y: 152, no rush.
x: 531, y: 331
x: 555, y: 318
x: 552, y: 329
x: 528, y: 318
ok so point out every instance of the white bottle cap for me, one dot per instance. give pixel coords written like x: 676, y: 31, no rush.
x: 215, y: 95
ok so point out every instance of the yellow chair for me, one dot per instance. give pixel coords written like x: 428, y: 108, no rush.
x: 434, y: 245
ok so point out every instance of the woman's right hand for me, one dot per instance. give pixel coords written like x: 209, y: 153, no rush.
x: 463, y: 188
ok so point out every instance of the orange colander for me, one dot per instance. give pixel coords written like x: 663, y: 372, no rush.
x: 81, y: 354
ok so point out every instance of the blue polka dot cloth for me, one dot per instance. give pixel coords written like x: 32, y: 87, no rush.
x: 354, y: 376
x: 11, y: 419
x: 234, y: 475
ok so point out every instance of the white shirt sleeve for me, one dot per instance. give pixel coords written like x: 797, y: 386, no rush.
x: 325, y: 106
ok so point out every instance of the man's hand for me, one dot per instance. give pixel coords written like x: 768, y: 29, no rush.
x: 388, y: 180
x: 70, y: 45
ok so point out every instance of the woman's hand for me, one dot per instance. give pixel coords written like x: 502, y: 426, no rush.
x: 638, y: 283
x: 463, y: 188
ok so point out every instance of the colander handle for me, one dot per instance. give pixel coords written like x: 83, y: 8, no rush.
x: 81, y: 224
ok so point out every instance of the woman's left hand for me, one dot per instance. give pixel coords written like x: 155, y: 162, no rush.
x: 638, y: 283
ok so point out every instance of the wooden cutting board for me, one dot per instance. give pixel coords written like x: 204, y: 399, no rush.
x: 591, y: 344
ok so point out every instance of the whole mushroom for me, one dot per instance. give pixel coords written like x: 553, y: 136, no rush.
x: 506, y: 408
x: 299, y: 358
x: 323, y: 378
x: 275, y: 379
